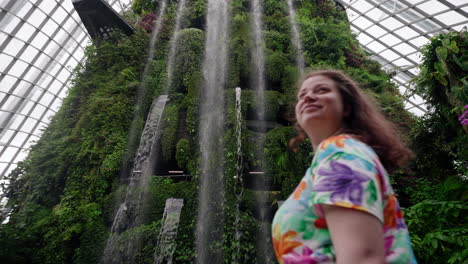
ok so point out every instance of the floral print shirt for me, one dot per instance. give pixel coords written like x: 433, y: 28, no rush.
x: 345, y: 172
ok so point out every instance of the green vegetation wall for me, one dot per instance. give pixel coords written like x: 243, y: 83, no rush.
x: 65, y: 194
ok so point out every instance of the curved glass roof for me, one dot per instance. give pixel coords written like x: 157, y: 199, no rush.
x: 394, y: 31
x: 41, y: 42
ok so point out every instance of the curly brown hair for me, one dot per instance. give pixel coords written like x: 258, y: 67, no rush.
x: 364, y: 122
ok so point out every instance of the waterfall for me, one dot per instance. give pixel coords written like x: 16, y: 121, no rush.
x: 238, y: 186
x: 141, y: 93
x: 172, y: 44
x: 258, y: 59
x: 296, y: 38
x: 258, y: 82
x: 168, y: 233
x: 209, y: 231
x: 130, y: 213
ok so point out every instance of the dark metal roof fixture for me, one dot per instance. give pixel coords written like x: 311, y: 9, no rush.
x: 100, y: 19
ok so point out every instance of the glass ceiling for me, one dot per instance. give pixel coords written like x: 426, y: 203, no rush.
x: 41, y: 41
x: 393, y: 31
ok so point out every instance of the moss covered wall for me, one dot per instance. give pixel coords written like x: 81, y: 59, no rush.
x: 65, y: 193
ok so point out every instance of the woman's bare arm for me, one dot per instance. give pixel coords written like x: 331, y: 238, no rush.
x: 357, y: 236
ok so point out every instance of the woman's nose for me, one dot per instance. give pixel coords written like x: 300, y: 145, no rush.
x: 311, y: 96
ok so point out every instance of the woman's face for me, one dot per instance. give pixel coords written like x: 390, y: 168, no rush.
x: 319, y: 104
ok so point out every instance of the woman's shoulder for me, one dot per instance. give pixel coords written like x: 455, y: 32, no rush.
x: 345, y: 144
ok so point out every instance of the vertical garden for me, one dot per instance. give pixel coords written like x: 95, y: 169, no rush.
x: 65, y: 195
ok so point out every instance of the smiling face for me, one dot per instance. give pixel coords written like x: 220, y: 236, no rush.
x: 320, y: 105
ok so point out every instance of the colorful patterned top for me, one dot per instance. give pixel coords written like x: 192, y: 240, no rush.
x: 345, y: 172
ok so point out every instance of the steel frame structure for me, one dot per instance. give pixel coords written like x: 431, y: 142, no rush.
x: 394, y: 31
x: 41, y: 42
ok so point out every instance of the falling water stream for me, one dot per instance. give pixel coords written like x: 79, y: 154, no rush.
x: 130, y: 213
x: 258, y: 82
x: 173, y: 44
x: 238, y: 186
x: 168, y: 233
x: 209, y: 231
x: 296, y: 38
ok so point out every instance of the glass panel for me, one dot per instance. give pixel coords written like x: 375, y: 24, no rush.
x: 29, y: 125
x: 51, y: 48
x: 432, y: 7
x: 38, y: 111
x: 56, y: 105
x: 21, y: 89
x: 18, y: 68
x: 32, y: 74
x: 362, y: 6
x: 376, y: 14
x: 17, y: 120
x: 49, y: 28
x: 35, y: 95
x: 390, y: 40
x: 55, y: 87
x: 404, y: 48
x: 376, y: 31
x: 3, y: 37
x: 376, y: 47
x: 451, y: 18
x: 46, y: 99
x: 25, y: 7
x: 14, y: 47
x: 29, y: 53
x: 63, y: 75
x: 45, y: 80
x: 7, y: 82
x: 47, y: 6
x: 19, y: 139
x: 37, y: 17
x: 362, y: 22
x: 42, y: 61
x: 406, y: 32
x: 59, y: 15
x: 5, y: 59
x: 25, y: 32
x: 53, y: 68
x: 391, y: 23
x: 69, y: 25
x: 8, y: 154
x: 12, y: 103
x: 26, y: 107
x: 6, y: 137
x: 13, y: 21
x: 39, y: 40
x: 419, y: 41
x: 402, y: 62
x: 389, y: 55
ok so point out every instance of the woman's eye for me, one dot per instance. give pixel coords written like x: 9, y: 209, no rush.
x: 322, y: 90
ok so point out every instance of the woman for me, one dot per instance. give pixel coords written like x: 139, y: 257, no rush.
x: 344, y: 209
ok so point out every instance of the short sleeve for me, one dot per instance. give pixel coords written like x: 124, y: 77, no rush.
x: 347, y: 180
